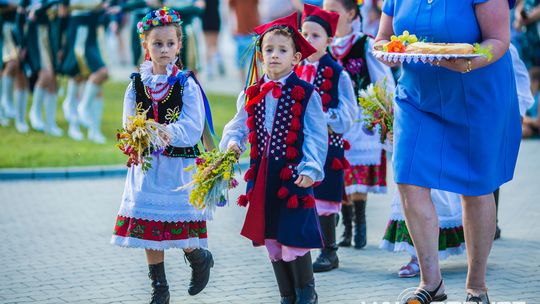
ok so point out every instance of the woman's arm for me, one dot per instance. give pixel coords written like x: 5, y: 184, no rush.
x: 494, y: 20
x: 386, y: 30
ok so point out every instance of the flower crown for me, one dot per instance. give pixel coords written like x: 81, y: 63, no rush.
x: 158, y: 17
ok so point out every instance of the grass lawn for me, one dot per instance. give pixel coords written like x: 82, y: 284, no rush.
x: 36, y: 149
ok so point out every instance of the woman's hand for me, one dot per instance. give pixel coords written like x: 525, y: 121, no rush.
x: 456, y: 64
x: 304, y: 181
x: 378, y: 46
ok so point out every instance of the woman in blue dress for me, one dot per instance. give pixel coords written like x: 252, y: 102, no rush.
x: 457, y: 128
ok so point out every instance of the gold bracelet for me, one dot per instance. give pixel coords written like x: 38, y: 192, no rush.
x: 469, y: 66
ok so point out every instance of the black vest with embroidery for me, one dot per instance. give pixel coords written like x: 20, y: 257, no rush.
x: 169, y: 110
x: 355, y: 64
x: 326, y: 83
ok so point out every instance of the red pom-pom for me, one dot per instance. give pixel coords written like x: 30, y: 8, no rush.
x: 328, y: 72
x: 254, y: 153
x: 242, y: 200
x: 292, y: 202
x: 250, y: 109
x: 285, y: 174
x: 346, y: 163
x: 252, y: 91
x: 291, y: 153
x: 336, y: 164
x: 295, y: 124
x: 326, y: 99
x: 250, y: 174
x: 251, y: 122
x: 325, y: 109
x: 298, y: 93
x: 297, y: 109
x: 346, y: 145
x: 326, y: 85
x: 283, y: 192
x: 252, y: 138
x: 309, y: 202
x: 291, y: 138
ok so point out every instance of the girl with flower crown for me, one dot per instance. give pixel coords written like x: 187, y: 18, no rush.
x: 154, y: 214
x: 280, y: 116
x: 367, y: 173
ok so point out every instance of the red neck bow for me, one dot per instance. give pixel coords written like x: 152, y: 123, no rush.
x: 307, y: 72
x: 274, y: 86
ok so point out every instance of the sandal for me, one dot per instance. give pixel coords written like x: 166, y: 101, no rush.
x: 481, y: 299
x: 411, y: 270
x: 423, y: 296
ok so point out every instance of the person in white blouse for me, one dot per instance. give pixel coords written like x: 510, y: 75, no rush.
x: 154, y: 214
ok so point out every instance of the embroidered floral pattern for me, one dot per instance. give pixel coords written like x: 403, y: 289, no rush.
x: 172, y: 114
x: 159, y: 231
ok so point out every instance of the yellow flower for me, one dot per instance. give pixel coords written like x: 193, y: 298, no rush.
x: 227, y: 176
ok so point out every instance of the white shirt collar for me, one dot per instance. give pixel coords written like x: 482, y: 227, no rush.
x: 149, y: 78
x: 282, y: 80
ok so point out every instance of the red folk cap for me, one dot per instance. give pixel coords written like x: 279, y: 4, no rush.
x: 328, y: 20
x: 291, y: 22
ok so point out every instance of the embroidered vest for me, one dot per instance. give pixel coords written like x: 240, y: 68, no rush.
x: 355, y: 64
x: 168, y: 111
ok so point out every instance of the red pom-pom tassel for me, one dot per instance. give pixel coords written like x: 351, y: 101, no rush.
x: 328, y: 72
x: 298, y: 93
x: 252, y: 91
x: 336, y: 164
x: 250, y: 109
x: 346, y: 163
x: 254, y: 153
x: 250, y: 174
x: 297, y: 109
x: 326, y: 99
x: 291, y: 153
x: 326, y: 85
x: 309, y: 202
x: 346, y: 145
x: 291, y: 138
x: 292, y: 202
x: 295, y: 124
x: 283, y: 192
x: 252, y: 138
x: 285, y: 174
x: 251, y: 122
x: 242, y: 200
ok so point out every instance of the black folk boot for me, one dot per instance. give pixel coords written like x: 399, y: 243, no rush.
x: 360, y: 233
x: 346, y: 218
x: 200, y: 261
x: 304, y: 283
x: 328, y: 258
x: 160, y: 293
x: 285, y: 281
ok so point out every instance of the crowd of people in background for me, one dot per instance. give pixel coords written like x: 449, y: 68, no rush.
x: 65, y: 49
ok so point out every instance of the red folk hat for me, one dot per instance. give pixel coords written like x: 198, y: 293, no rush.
x: 328, y: 20
x: 291, y: 22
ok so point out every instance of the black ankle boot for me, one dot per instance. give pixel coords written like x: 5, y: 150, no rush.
x: 328, y: 258
x: 347, y: 214
x: 160, y: 293
x: 285, y: 282
x: 304, y: 283
x: 200, y: 261
x: 360, y: 229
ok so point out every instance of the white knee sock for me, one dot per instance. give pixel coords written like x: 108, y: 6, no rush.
x: 21, y: 99
x: 50, y: 115
x: 84, y: 109
x: 7, y: 96
x: 69, y: 106
x: 36, y: 110
x: 94, y: 130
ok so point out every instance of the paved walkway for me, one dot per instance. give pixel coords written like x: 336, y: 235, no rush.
x: 55, y: 233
